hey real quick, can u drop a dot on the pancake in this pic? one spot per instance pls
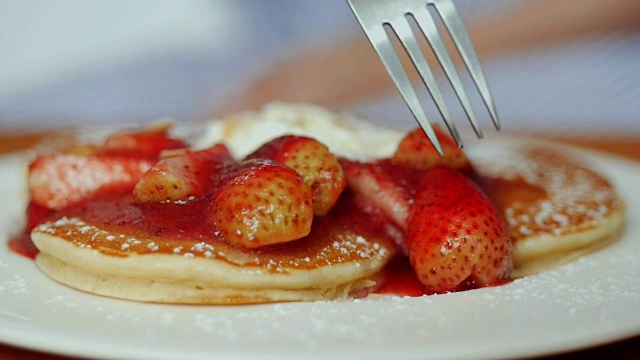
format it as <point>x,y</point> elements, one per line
<point>555,207</point>
<point>337,260</point>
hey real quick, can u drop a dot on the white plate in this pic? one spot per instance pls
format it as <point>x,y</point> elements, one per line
<point>591,301</point>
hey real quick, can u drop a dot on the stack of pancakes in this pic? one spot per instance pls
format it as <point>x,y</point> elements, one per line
<point>336,261</point>
<point>555,207</point>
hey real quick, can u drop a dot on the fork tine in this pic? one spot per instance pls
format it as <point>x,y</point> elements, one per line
<point>405,34</point>
<point>387,54</point>
<point>430,31</point>
<point>460,36</point>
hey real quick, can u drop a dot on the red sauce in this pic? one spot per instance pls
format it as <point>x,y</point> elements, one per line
<point>181,228</point>
<point>400,279</point>
<point>119,212</point>
<point>176,223</point>
<point>22,245</point>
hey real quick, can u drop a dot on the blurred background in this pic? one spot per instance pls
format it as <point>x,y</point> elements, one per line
<point>571,67</point>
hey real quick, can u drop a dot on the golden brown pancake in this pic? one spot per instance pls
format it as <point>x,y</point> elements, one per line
<point>556,207</point>
<point>336,261</point>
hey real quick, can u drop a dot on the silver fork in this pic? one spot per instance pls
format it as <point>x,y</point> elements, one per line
<point>373,15</point>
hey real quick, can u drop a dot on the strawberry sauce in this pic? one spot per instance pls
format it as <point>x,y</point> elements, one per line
<point>116,225</point>
<point>400,279</point>
<point>176,224</point>
<point>22,245</point>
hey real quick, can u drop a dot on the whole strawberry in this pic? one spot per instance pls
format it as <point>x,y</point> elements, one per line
<point>262,202</point>
<point>416,150</point>
<point>455,235</point>
<point>319,168</point>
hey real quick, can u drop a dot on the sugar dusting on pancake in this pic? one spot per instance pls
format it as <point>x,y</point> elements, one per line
<point>335,267</point>
<point>337,260</point>
<point>576,197</point>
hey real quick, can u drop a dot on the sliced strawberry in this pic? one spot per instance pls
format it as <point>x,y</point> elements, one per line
<point>262,202</point>
<point>58,180</point>
<point>145,144</point>
<point>382,221</point>
<point>386,184</point>
<point>180,177</point>
<point>313,160</point>
<point>416,150</point>
<point>455,234</point>
<point>64,178</point>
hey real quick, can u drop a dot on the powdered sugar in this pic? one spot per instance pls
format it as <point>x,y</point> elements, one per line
<point>528,302</point>
<point>575,197</point>
<point>15,284</point>
<point>347,248</point>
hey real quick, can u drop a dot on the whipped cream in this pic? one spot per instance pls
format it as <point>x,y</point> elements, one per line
<point>344,134</point>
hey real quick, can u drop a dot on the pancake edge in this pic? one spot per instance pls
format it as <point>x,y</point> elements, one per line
<point>173,278</point>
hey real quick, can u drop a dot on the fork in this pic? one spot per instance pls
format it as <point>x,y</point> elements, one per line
<point>374,15</point>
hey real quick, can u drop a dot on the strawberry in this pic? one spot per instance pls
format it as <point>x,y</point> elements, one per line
<point>261,202</point>
<point>180,177</point>
<point>58,180</point>
<point>416,150</point>
<point>319,168</point>
<point>455,235</point>
<point>144,144</point>
<point>386,184</point>
<point>64,178</point>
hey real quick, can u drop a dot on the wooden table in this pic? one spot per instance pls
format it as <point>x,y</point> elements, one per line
<point>621,145</point>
